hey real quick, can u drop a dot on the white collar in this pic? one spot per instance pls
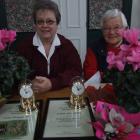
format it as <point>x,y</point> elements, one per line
<point>37,42</point>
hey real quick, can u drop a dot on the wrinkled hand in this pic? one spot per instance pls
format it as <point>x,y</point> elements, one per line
<point>41,84</point>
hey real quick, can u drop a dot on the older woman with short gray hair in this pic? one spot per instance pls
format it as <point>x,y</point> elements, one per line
<point>111,22</point>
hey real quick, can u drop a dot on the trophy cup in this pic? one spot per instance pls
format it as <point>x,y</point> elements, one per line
<point>77,97</point>
<point>27,101</point>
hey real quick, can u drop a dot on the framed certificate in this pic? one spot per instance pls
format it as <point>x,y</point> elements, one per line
<point>63,122</point>
<point>15,125</point>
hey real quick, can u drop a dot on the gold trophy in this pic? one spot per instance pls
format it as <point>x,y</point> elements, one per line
<point>77,98</point>
<point>27,101</point>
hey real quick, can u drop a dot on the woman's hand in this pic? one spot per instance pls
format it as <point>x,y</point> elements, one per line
<point>41,84</point>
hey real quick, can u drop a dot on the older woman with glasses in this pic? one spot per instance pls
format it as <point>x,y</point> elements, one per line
<point>53,58</point>
<point>95,60</point>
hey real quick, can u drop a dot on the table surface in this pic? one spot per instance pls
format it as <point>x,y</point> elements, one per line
<point>94,95</point>
<point>65,92</point>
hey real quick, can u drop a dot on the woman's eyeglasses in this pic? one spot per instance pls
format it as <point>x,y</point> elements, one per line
<point>115,29</point>
<point>42,22</point>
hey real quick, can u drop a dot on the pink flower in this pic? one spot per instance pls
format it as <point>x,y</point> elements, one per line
<point>99,130</point>
<point>129,53</point>
<point>130,35</point>
<point>135,56</point>
<point>104,114</point>
<point>6,36</point>
<point>136,67</point>
<point>115,61</point>
<point>132,136</point>
<point>2,47</point>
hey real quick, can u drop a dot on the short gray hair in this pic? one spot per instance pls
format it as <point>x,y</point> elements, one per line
<point>46,5</point>
<point>114,13</point>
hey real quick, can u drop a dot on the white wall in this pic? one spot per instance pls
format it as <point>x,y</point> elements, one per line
<point>135,16</point>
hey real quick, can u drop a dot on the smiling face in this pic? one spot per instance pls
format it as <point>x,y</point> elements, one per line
<point>110,29</point>
<point>46,25</point>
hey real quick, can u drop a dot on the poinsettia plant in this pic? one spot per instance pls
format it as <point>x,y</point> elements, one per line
<point>124,71</point>
<point>13,68</point>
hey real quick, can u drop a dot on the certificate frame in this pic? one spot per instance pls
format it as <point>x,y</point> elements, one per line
<point>36,134</point>
<point>63,137</point>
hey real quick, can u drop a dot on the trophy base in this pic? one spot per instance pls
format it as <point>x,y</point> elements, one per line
<point>28,111</point>
<point>77,102</point>
<point>27,106</point>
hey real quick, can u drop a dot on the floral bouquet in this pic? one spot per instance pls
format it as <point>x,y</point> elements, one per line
<point>113,122</point>
<point>124,71</point>
<point>13,68</point>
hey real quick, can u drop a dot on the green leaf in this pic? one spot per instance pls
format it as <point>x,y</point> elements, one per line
<point>13,68</point>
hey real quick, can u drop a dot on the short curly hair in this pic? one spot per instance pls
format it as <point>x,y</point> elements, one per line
<point>46,5</point>
<point>114,13</point>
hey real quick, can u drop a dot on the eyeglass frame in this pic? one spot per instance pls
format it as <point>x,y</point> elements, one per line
<point>47,22</point>
<point>106,30</point>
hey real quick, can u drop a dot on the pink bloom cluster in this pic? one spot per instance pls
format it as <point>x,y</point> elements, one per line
<point>129,54</point>
<point>6,37</point>
<point>112,119</point>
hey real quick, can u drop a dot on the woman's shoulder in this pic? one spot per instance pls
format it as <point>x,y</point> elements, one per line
<point>98,45</point>
<point>98,42</point>
<point>64,41</point>
<point>25,39</point>
<point>67,46</point>
<point>24,44</point>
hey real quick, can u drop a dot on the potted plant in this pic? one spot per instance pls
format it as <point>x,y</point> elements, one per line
<point>13,68</point>
<point>124,71</point>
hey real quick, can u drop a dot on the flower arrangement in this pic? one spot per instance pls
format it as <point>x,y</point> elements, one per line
<point>124,71</point>
<point>13,68</point>
<point>114,123</point>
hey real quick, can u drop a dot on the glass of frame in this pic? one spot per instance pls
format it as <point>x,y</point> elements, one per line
<point>15,125</point>
<point>63,122</point>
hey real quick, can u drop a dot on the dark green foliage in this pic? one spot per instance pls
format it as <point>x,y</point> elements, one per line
<point>13,69</point>
<point>127,87</point>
